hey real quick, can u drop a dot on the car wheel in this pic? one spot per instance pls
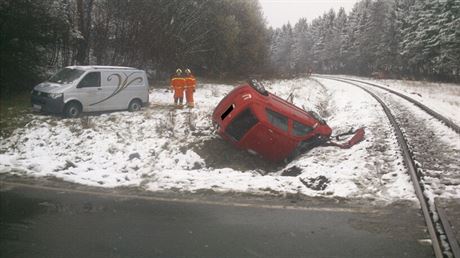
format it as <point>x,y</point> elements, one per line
<point>134,105</point>
<point>259,87</point>
<point>72,110</point>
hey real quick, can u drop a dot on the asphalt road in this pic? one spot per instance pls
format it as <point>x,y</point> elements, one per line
<point>47,222</point>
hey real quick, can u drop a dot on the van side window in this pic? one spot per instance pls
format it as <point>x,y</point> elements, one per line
<point>300,129</point>
<point>241,124</point>
<point>92,79</point>
<point>277,119</point>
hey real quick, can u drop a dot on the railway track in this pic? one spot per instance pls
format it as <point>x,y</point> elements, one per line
<point>428,110</point>
<point>443,239</point>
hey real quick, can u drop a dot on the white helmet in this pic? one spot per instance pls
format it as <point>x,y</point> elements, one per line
<point>178,71</point>
<point>187,71</point>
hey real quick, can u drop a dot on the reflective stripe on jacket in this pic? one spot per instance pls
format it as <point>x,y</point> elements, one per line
<point>190,82</point>
<point>177,82</point>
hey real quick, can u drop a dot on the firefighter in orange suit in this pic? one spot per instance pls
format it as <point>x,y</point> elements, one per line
<point>190,85</point>
<point>178,85</point>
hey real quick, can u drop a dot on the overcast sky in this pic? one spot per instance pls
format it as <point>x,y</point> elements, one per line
<point>279,12</point>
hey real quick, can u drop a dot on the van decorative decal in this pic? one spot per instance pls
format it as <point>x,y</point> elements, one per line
<point>122,84</point>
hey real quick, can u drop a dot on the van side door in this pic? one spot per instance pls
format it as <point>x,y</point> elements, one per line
<point>89,92</point>
<point>110,83</point>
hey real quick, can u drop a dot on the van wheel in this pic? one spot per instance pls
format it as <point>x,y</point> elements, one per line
<point>72,110</point>
<point>134,105</point>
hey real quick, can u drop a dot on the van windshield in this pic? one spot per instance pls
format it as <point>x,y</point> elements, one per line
<point>66,76</point>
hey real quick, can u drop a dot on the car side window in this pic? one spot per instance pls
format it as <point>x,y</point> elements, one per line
<point>92,79</point>
<point>300,129</point>
<point>278,120</point>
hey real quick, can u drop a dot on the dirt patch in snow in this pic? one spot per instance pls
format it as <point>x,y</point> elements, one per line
<point>292,171</point>
<point>218,153</point>
<point>318,183</point>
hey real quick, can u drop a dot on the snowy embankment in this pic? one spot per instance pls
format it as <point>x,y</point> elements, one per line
<point>163,148</point>
<point>443,98</point>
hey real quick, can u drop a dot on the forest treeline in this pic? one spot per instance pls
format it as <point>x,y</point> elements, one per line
<point>227,39</point>
<point>215,38</point>
<point>395,38</point>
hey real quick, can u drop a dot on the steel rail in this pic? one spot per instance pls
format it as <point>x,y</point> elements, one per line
<point>411,168</point>
<point>447,227</point>
<point>449,123</point>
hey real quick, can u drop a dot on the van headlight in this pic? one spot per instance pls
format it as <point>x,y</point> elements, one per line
<point>55,95</point>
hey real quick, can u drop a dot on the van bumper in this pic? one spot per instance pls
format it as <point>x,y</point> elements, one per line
<point>47,104</point>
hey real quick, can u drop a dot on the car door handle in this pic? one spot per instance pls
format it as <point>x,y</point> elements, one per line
<point>99,88</point>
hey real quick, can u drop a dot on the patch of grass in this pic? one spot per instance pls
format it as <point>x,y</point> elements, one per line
<point>86,122</point>
<point>112,119</point>
<point>166,127</point>
<point>14,112</point>
<point>163,128</point>
<point>271,191</point>
<point>52,122</point>
<point>323,108</point>
<point>215,92</point>
<point>191,119</point>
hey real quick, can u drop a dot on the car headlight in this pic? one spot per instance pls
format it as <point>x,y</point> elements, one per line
<point>55,95</point>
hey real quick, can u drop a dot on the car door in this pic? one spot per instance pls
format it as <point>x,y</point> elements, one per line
<point>89,92</point>
<point>281,143</point>
<point>260,141</point>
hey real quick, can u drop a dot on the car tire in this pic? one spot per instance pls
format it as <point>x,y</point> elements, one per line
<point>259,87</point>
<point>72,110</point>
<point>134,105</point>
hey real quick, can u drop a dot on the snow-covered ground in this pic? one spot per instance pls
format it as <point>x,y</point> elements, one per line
<point>443,98</point>
<point>163,148</point>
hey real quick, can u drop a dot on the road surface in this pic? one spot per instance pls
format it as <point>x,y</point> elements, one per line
<point>42,221</point>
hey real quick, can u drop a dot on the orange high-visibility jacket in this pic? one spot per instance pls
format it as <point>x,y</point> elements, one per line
<point>190,82</point>
<point>177,82</point>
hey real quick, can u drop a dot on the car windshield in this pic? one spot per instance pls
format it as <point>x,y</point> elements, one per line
<point>66,76</point>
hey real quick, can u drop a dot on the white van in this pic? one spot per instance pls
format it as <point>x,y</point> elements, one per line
<point>77,89</point>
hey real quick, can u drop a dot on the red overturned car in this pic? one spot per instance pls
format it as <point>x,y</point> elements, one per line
<point>254,119</point>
